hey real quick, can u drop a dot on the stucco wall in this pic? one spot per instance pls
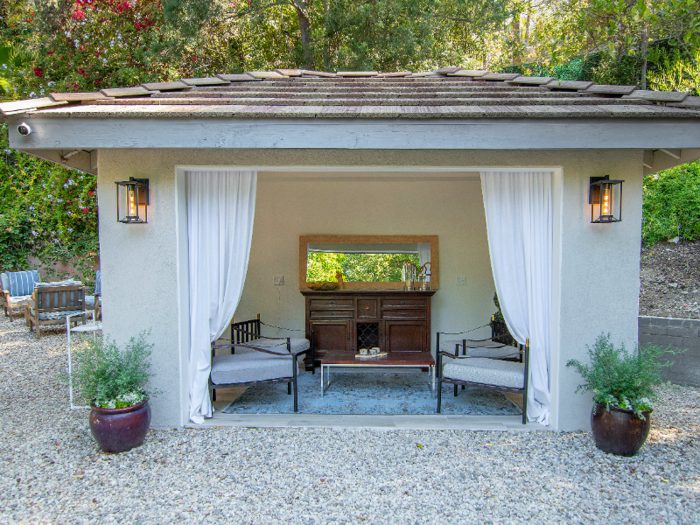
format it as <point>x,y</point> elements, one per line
<point>596,266</point>
<point>293,204</point>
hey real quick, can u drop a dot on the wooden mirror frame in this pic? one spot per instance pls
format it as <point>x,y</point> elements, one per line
<point>304,240</point>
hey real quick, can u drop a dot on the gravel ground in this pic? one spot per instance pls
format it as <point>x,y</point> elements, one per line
<point>52,472</point>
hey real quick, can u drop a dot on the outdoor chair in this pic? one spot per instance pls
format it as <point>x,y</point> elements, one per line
<point>94,301</point>
<point>485,364</point>
<point>51,303</point>
<point>256,359</point>
<point>17,288</point>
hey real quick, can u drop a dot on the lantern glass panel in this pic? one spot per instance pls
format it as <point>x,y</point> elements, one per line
<point>132,202</point>
<point>606,201</point>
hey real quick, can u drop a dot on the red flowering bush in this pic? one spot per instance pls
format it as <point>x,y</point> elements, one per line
<point>83,45</point>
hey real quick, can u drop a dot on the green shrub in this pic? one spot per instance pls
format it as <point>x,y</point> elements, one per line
<point>672,204</point>
<point>621,379</point>
<point>109,377</point>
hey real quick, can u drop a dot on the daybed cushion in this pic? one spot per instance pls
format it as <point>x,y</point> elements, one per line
<point>249,366</point>
<point>275,345</point>
<point>487,371</point>
<point>486,348</point>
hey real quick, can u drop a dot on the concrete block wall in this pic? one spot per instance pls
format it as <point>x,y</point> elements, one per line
<point>679,334</point>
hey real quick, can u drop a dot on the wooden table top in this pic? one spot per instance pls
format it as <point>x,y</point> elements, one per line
<point>339,357</point>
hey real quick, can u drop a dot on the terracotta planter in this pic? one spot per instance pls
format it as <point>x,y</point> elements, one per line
<point>618,431</point>
<point>120,429</point>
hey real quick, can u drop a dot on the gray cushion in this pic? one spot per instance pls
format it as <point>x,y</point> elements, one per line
<point>486,371</point>
<point>98,281</point>
<point>249,366</point>
<point>481,348</point>
<point>5,281</point>
<point>276,345</point>
<point>50,316</point>
<point>22,283</point>
<point>20,299</point>
<point>90,300</point>
<point>67,282</point>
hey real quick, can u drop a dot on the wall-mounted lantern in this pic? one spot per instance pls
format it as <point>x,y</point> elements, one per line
<point>132,201</point>
<point>605,198</point>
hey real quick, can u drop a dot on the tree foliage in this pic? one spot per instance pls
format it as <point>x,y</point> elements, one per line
<point>357,267</point>
<point>46,211</point>
<point>672,204</point>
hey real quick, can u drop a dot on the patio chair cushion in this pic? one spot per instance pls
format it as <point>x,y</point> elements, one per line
<point>21,283</point>
<point>21,299</point>
<point>248,367</point>
<point>487,371</point>
<point>5,281</point>
<point>67,282</point>
<point>275,345</point>
<point>98,282</point>
<point>50,316</point>
<point>90,300</point>
<point>486,348</point>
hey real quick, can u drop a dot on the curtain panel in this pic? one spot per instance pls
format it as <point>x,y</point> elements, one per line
<point>519,222</point>
<point>220,213</point>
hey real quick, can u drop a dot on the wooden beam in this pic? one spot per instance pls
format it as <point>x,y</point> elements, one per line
<point>341,133</point>
<point>663,162</point>
<point>675,153</point>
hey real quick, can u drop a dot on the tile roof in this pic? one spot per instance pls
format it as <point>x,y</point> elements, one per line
<point>450,92</point>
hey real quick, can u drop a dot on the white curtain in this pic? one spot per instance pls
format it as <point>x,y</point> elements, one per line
<point>220,211</point>
<point>518,208</point>
<point>424,254</point>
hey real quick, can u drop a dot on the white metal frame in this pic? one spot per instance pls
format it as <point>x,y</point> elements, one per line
<point>91,327</point>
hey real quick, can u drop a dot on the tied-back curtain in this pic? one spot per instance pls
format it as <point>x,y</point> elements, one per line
<point>518,207</point>
<point>220,212</point>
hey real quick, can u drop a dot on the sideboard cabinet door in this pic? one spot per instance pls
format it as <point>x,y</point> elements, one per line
<point>405,336</point>
<point>331,334</point>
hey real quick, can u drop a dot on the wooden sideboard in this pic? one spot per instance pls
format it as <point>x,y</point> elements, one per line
<point>393,320</point>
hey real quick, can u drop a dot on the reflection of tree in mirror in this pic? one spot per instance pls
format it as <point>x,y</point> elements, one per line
<point>357,267</point>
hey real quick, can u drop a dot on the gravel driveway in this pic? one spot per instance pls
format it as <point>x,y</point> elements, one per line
<point>52,472</point>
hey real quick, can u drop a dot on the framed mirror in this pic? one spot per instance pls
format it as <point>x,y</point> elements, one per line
<point>367,262</point>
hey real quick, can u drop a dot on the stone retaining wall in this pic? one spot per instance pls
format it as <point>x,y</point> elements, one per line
<point>681,334</point>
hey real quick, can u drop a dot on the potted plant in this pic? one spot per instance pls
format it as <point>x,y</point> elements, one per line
<point>499,328</point>
<point>623,393</point>
<point>114,381</point>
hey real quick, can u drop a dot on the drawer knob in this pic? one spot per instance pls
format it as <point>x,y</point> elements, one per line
<point>366,307</point>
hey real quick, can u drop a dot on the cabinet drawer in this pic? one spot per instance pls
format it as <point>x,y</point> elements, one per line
<point>403,314</point>
<point>335,304</point>
<point>332,314</point>
<point>415,302</point>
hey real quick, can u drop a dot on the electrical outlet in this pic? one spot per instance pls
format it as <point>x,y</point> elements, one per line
<point>279,280</point>
<point>461,280</point>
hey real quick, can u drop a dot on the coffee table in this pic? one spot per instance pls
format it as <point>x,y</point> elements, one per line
<point>340,359</point>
